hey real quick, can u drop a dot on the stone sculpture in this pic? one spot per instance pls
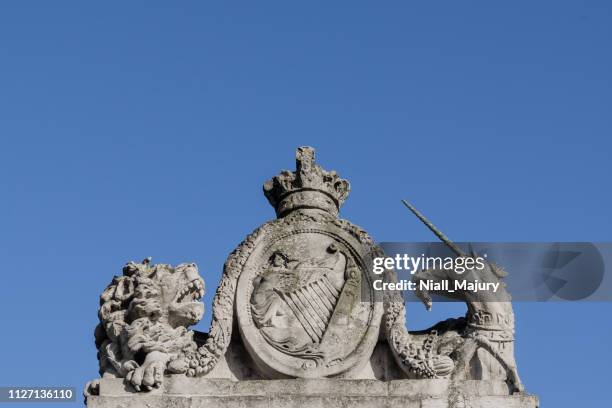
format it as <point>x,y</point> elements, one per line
<point>143,316</point>
<point>484,339</point>
<point>295,304</point>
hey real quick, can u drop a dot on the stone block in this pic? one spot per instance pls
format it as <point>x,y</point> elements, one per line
<point>182,392</point>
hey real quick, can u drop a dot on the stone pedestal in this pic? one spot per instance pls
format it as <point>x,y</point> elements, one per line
<point>182,392</point>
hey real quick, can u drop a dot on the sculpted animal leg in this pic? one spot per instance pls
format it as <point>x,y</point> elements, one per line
<point>464,356</point>
<point>423,295</point>
<point>436,275</point>
<point>509,366</point>
<point>151,372</point>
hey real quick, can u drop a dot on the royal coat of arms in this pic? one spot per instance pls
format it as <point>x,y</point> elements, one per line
<point>296,300</point>
<point>304,301</point>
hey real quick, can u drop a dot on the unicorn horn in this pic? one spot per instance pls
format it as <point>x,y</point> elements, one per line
<point>433,229</point>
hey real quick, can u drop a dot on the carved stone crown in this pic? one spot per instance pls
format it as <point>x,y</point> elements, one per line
<point>308,187</point>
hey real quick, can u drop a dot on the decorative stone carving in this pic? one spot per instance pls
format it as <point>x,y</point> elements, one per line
<point>415,354</point>
<point>482,342</point>
<point>300,294</point>
<point>144,316</point>
<point>304,302</point>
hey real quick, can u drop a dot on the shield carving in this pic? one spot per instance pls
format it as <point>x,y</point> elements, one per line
<point>305,303</point>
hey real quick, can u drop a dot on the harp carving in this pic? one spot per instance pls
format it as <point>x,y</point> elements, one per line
<point>294,301</point>
<point>313,305</point>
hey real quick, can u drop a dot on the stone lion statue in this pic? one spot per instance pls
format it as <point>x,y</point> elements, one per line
<point>144,316</point>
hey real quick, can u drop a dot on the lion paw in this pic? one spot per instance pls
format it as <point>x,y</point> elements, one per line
<point>148,376</point>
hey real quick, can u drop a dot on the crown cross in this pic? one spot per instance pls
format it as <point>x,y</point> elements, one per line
<point>310,186</point>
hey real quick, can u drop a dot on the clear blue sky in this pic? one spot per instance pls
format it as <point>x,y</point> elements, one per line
<point>146,128</point>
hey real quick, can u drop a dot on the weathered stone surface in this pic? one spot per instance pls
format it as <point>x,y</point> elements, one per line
<point>483,344</point>
<point>299,300</point>
<point>304,304</point>
<point>181,391</point>
<point>311,329</point>
<point>143,319</point>
<point>284,401</point>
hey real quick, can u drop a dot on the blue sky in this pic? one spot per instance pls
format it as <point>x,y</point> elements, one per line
<point>148,128</point>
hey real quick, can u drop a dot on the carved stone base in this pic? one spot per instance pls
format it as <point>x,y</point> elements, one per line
<point>182,392</point>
